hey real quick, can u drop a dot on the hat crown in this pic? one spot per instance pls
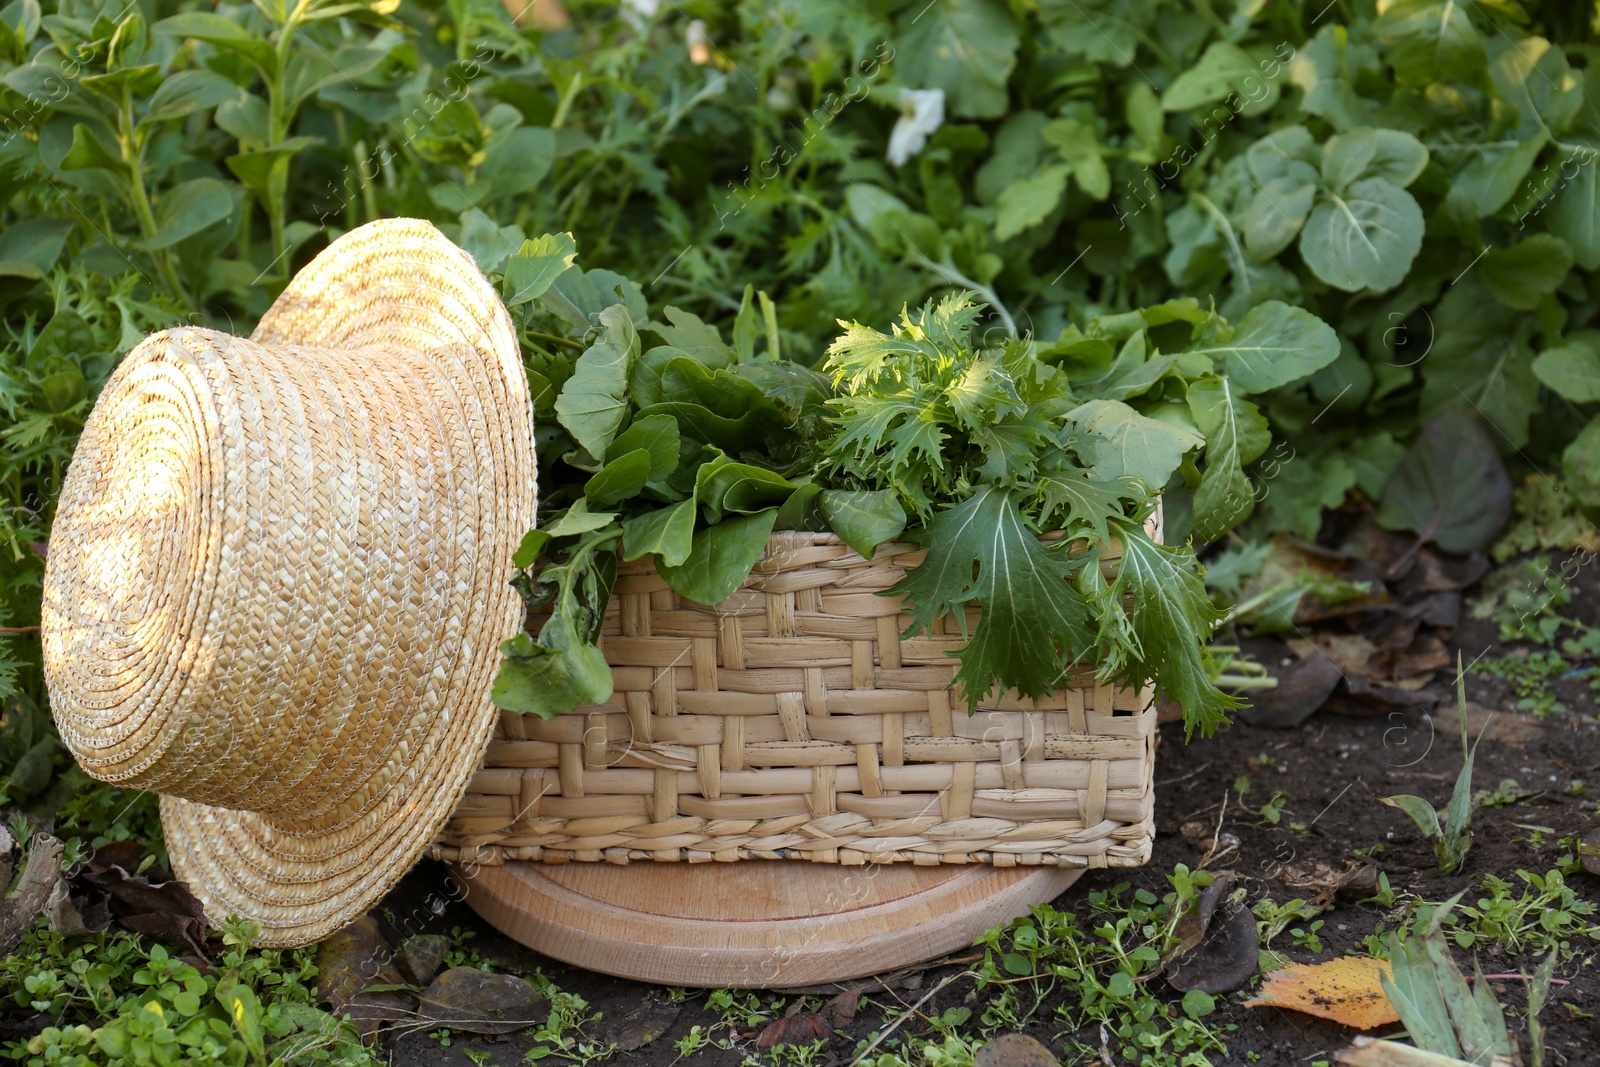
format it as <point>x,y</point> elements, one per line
<point>249,594</point>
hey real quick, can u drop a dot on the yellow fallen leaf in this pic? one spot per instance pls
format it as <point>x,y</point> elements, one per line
<point>1347,990</point>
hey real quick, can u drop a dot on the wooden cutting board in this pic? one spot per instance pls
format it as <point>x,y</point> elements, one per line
<point>754,924</point>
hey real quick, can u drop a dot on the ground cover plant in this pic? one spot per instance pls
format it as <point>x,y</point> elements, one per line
<point>1320,276</point>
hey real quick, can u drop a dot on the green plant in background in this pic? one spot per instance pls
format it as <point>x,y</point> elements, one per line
<point>1450,830</point>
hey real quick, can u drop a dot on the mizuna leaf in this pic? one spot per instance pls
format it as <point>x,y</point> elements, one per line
<point>1348,990</point>
<point>1034,623</point>
<point>1172,618</point>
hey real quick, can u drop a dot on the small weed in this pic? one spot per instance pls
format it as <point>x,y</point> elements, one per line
<point>461,954</point>
<point>1273,919</point>
<point>1453,838</point>
<point>444,1037</point>
<point>1547,914</point>
<point>478,1056</point>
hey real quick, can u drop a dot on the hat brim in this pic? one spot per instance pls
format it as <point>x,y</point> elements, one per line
<point>399,285</point>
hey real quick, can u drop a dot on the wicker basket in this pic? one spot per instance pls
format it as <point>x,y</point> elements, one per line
<point>791,721</point>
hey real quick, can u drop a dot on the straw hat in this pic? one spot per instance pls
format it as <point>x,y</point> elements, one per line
<point>277,579</point>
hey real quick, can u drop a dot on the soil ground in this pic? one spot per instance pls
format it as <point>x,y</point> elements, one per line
<point>1334,769</point>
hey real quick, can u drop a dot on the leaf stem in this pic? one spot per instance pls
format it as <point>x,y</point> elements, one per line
<point>953,276</point>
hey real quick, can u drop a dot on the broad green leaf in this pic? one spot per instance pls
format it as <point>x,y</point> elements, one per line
<point>1034,623</point>
<point>1574,210</point>
<point>1224,69</point>
<point>1580,468</point>
<point>516,160</point>
<point>966,49</point>
<point>740,488</point>
<point>667,532</point>
<point>579,296</point>
<point>528,551</point>
<point>1480,356</point>
<point>694,338</point>
<point>1421,813</point>
<point>578,519</point>
<point>1288,152</point>
<point>1522,275</point>
<point>1322,70</point>
<point>186,209</point>
<point>1275,344</point>
<point>36,242</point>
<point>593,405</point>
<point>1025,202</point>
<point>537,264</point>
<point>1277,213</point>
<point>489,244</point>
<point>223,33</point>
<point>1430,40</point>
<point>1365,238</point>
<point>189,91</point>
<point>552,677</point>
<point>1452,488</point>
<point>619,479</point>
<point>89,152</point>
<point>863,519</point>
<point>1173,619</point>
<point>659,436</point>
<point>1495,171</point>
<point>1295,492</point>
<point>1533,74</point>
<point>1121,443</point>
<point>1573,371</point>
<point>720,558</point>
<point>1368,152</point>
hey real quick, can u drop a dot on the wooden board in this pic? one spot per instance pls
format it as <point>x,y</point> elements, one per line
<point>755,924</point>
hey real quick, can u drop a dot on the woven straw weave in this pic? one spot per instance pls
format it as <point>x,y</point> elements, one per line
<point>276,585</point>
<point>790,721</point>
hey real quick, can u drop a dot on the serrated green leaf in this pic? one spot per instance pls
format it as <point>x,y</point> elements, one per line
<point>1034,624</point>
<point>1171,620</point>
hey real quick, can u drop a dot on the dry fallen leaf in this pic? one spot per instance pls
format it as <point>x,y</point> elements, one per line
<point>1347,990</point>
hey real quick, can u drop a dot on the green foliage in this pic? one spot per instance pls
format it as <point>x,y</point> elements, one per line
<point>113,1003</point>
<point>1104,966</point>
<point>1547,915</point>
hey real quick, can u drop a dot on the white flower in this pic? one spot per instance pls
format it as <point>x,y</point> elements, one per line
<point>637,12</point>
<point>921,113</point>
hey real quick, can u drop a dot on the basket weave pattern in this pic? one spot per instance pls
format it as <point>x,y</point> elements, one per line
<point>791,721</point>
